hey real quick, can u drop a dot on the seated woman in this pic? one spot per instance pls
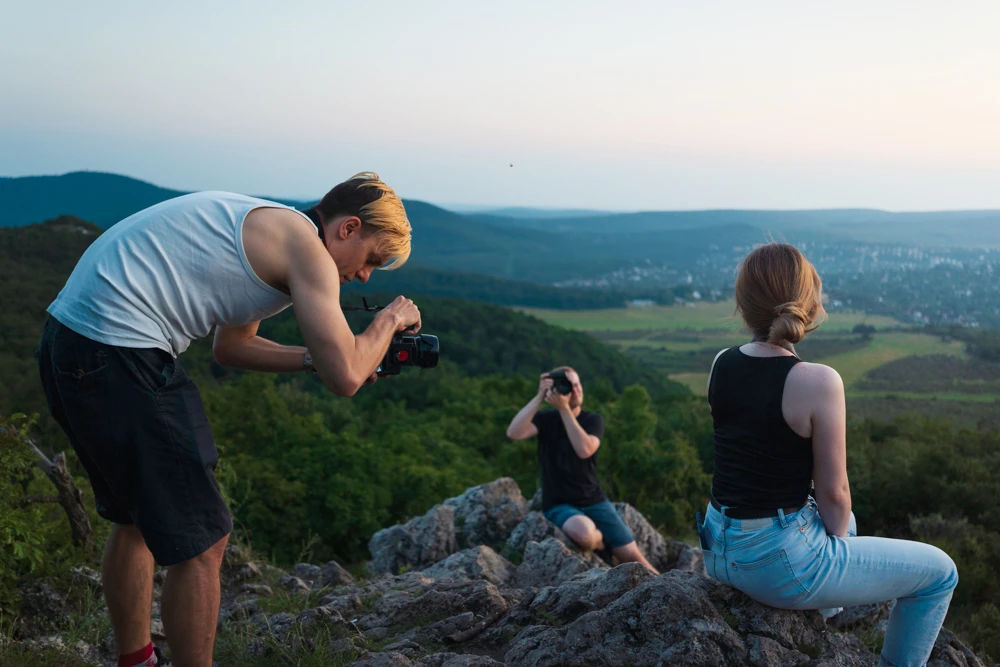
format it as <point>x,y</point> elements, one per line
<point>779,526</point>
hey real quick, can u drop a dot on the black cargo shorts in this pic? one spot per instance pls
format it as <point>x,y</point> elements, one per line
<point>138,425</point>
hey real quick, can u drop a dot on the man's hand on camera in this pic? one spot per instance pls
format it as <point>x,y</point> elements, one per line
<point>558,401</point>
<point>544,385</point>
<point>405,314</point>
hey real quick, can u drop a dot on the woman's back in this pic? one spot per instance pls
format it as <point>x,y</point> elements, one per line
<point>760,462</point>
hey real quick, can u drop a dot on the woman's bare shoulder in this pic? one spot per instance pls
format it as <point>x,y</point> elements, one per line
<point>815,378</point>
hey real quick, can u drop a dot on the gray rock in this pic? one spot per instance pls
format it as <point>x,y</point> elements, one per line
<point>650,542</point>
<point>332,574</point>
<point>687,558</point>
<point>312,621</point>
<point>766,651</point>
<point>456,660</point>
<point>479,562</point>
<point>44,609</point>
<point>861,615</point>
<point>348,604</point>
<point>549,563</point>
<point>535,504</point>
<point>949,650</point>
<point>391,659</point>
<point>587,591</point>
<point>294,585</point>
<point>307,572</point>
<point>239,610</point>
<point>156,630</point>
<point>680,618</point>
<point>534,527</point>
<point>486,514</point>
<point>261,590</point>
<point>402,610</point>
<point>418,543</point>
<point>247,572</point>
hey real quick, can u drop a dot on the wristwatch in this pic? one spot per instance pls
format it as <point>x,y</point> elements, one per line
<point>307,362</point>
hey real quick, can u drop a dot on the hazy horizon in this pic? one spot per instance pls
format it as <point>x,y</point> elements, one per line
<point>585,105</point>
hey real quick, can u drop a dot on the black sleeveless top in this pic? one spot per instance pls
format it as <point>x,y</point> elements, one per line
<point>760,462</point>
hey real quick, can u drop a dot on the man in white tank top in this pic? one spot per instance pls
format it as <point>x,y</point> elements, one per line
<point>142,291</point>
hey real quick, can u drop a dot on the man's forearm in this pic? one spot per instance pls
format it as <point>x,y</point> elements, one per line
<point>371,345</point>
<point>583,443</point>
<point>520,425</point>
<point>260,354</point>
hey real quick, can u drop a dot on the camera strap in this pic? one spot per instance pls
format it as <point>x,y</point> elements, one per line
<point>366,307</point>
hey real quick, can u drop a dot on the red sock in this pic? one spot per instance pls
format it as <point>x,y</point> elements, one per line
<point>144,657</point>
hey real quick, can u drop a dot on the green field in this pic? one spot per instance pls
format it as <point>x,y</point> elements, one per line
<point>696,316</point>
<point>682,340</point>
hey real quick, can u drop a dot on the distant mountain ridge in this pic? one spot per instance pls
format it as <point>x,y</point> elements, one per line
<point>100,197</point>
<point>553,249</point>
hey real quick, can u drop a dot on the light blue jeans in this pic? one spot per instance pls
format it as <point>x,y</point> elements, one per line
<point>790,562</point>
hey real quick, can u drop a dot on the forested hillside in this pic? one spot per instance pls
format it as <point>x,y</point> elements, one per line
<point>311,474</point>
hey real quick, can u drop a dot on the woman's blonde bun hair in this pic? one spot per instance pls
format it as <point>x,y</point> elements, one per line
<point>779,294</point>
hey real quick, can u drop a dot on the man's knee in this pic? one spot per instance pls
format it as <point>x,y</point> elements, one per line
<point>583,531</point>
<point>210,557</point>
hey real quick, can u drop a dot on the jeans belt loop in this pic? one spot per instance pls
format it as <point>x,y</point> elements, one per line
<point>781,518</point>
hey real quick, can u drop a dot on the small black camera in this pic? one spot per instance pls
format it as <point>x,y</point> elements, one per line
<point>409,350</point>
<point>560,382</point>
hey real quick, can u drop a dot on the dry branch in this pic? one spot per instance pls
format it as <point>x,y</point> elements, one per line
<point>69,495</point>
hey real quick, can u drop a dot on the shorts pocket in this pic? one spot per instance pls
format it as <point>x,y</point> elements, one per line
<point>769,579</point>
<point>82,372</point>
<point>153,368</point>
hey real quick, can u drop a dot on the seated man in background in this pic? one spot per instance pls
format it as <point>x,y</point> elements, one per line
<point>568,439</point>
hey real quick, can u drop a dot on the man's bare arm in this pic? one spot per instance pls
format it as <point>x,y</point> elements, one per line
<point>584,444</point>
<point>521,426</point>
<point>287,255</point>
<point>241,347</point>
<point>344,361</point>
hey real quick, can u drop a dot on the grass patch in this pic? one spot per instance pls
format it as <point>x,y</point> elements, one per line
<point>886,347</point>
<point>89,622</point>
<point>293,603</point>
<point>240,645</point>
<point>683,340</point>
<point>696,316</point>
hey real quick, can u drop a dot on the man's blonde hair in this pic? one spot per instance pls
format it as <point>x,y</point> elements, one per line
<point>366,196</point>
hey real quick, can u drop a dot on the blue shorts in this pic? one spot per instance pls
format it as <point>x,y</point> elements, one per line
<point>616,533</point>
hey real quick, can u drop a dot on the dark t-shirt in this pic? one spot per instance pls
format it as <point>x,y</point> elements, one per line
<point>566,478</point>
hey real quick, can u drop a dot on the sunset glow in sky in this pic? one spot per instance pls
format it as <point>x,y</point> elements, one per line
<point>645,105</point>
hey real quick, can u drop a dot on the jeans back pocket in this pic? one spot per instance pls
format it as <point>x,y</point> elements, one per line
<point>769,579</point>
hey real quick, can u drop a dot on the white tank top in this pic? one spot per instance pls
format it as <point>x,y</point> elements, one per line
<point>169,274</point>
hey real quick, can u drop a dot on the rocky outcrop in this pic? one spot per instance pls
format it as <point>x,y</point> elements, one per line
<point>486,514</point>
<point>417,543</point>
<point>481,580</point>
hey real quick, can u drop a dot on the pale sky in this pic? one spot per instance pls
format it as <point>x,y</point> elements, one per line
<point>615,105</point>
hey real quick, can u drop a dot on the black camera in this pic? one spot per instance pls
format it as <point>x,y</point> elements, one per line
<point>560,382</point>
<point>409,350</point>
